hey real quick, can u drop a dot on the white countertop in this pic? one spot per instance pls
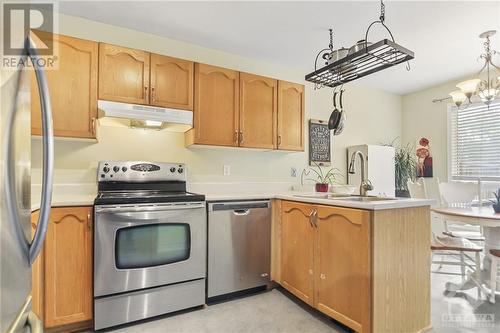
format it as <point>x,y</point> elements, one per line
<point>66,195</point>
<point>84,195</point>
<point>318,198</point>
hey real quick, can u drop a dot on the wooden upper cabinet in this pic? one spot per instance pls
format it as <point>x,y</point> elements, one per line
<point>290,116</point>
<point>342,266</point>
<point>68,267</point>
<point>171,82</point>
<point>123,74</point>
<point>297,240</point>
<point>258,111</point>
<point>73,89</point>
<point>216,106</point>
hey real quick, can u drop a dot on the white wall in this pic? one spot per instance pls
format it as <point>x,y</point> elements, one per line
<point>373,116</point>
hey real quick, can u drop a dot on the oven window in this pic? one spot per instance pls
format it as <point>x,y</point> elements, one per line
<point>152,245</point>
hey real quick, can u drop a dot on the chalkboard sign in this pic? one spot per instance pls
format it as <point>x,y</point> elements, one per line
<point>319,142</point>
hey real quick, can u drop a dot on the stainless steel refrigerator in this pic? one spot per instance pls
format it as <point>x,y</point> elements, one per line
<point>18,249</point>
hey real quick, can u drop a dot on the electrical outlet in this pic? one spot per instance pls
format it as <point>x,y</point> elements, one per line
<point>293,172</point>
<point>227,170</point>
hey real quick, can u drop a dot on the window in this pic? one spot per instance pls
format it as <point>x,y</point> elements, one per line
<point>474,142</point>
<point>152,245</point>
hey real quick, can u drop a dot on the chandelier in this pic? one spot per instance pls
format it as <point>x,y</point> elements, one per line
<point>485,89</point>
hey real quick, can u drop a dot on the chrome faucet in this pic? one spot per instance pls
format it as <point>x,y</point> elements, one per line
<point>366,184</point>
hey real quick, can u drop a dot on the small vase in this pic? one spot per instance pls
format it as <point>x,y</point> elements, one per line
<point>321,187</point>
<point>496,208</point>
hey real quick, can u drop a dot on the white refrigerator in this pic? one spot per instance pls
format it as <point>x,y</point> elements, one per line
<point>379,169</point>
<point>18,249</point>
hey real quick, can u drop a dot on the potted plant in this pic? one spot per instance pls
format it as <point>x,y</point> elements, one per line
<point>496,202</point>
<point>321,178</point>
<point>405,167</point>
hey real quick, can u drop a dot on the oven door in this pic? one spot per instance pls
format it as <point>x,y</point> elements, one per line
<point>145,246</point>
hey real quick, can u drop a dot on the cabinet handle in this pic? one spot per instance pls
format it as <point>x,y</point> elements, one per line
<point>315,218</point>
<point>89,227</point>
<point>241,137</point>
<point>153,94</point>
<point>311,217</point>
<point>93,126</point>
<point>236,137</point>
<point>279,140</point>
<point>146,90</point>
<point>322,276</point>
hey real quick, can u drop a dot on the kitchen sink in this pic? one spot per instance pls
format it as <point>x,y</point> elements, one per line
<point>364,199</point>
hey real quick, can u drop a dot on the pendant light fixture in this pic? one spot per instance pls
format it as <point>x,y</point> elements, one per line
<point>486,86</point>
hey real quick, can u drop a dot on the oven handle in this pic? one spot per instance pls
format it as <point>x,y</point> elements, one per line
<point>141,209</point>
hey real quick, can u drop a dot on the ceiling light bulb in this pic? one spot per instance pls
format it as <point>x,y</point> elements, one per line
<point>487,95</point>
<point>469,87</point>
<point>458,97</point>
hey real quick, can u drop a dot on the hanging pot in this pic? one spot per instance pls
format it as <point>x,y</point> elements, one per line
<point>360,45</point>
<point>337,55</point>
<point>335,115</point>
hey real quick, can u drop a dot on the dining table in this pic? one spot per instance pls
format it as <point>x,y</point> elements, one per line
<point>485,217</point>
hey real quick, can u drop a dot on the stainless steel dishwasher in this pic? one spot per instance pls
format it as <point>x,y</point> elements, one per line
<point>239,246</point>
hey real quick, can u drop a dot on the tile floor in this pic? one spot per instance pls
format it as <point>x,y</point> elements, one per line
<point>278,312</point>
<point>272,311</point>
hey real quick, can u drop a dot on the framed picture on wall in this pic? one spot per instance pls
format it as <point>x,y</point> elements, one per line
<point>319,142</point>
<point>424,158</point>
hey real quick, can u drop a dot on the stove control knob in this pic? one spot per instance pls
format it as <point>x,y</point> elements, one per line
<point>105,169</point>
<point>172,169</point>
<point>116,168</point>
<point>124,169</point>
<point>180,170</point>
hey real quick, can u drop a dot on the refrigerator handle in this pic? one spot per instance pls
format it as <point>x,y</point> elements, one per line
<point>48,154</point>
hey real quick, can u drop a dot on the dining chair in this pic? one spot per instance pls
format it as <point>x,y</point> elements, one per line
<point>495,273</point>
<point>460,194</point>
<point>467,252</point>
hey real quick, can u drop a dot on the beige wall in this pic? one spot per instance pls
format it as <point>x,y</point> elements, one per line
<point>423,118</point>
<point>373,116</point>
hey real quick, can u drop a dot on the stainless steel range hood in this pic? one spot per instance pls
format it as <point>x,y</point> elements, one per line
<point>143,116</point>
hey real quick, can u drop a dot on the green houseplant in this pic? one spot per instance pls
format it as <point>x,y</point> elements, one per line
<point>322,178</point>
<point>496,202</point>
<point>405,166</point>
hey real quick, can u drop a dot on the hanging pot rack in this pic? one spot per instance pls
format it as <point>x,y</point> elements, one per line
<point>370,59</point>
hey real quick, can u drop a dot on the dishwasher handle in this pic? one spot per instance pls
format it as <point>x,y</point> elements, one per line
<point>241,212</point>
<point>238,208</point>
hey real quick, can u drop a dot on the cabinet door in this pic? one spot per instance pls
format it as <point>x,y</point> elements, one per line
<point>36,275</point>
<point>216,106</point>
<point>258,111</point>
<point>342,266</point>
<point>123,74</point>
<point>68,267</point>
<point>297,240</point>
<point>171,82</point>
<point>290,116</point>
<point>73,89</point>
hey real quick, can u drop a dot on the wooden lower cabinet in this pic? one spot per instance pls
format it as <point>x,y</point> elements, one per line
<point>65,276</point>
<point>369,270</point>
<point>297,250</point>
<point>36,275</point>
<point>342,265</point>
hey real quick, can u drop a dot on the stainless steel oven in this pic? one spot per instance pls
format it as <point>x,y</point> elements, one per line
<point>150,242</point>
<point>146,245</point>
